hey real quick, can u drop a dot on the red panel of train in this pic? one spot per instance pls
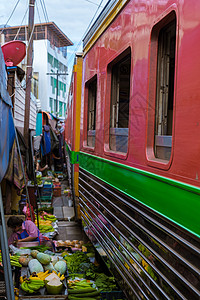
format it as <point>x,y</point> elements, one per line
<point>139,148</point>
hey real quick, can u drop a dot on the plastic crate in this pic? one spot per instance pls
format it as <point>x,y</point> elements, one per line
<point>46,198</point>
<point>47,190</point>
<point>112,295</point>
<point>47,186</point>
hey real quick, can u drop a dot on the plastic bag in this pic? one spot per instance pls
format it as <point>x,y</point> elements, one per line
<point>15,250</point>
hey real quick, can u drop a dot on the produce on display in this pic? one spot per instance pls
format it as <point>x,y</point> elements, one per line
<point>61,267</point>
<point>46,228</point>
<point>82,289</point>
<point>54,286</point>
<point>43,258</point>
<point>74,261</point>
<point>40,275</point>
<point>35,266</point>
<point>32,285</point>
<point>49,267</point>
<point>105,283</point>
<point>24,260</point>
<point>34,253</point>
<point>49,217</point>
<point>51,276</point>
<point>38,179</point>
<point>14,260</point>
<point>39,248</point>
<point>43,222</point>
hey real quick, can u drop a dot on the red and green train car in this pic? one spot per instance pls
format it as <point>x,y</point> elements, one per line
<point>136,145</point>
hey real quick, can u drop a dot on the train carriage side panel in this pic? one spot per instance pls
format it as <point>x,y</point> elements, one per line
<point>140,200</point>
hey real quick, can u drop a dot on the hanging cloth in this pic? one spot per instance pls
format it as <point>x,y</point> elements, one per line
<point>46,141</point>
<point>14,172</point>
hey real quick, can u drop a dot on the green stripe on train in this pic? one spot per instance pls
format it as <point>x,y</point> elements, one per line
<point>177,201</point>
<point>74,156</point>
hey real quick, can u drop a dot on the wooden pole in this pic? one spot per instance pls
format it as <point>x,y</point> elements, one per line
<point>29,70</point>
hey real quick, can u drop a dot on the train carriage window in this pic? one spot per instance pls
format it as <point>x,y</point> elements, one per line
<point>165,91</point>
<point>119,109</point>
<point>91,120</point>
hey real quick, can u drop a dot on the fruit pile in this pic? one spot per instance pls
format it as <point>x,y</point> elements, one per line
<point>82,289</point>
<point>31,285</point>
<point>45,272</point>
<point>45,222</point>
<point>14,260</point>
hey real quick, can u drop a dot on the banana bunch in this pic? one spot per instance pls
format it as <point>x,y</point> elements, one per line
<point>32,285</point>
<point>16,292</point>
<point>49,217</point>
<point>40,275</point>
<point>43,222</point>
<point>14,260</point>
<point>34,276</point>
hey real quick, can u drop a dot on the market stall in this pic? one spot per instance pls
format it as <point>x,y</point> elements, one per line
<point>71,272</point>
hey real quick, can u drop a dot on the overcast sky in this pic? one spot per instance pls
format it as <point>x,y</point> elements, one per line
<point>71,16</point>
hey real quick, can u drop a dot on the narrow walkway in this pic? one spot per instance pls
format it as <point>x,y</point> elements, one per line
<point>62,210</point>
<point>67,227</point>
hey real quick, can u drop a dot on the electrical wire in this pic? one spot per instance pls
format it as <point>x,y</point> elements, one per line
<point>42,3</point>
<point>79,43</point>
<point>93,2</point>
<point>45,9</point>
<point>40,19</point>
<point>11,15</point>
<point>21,24</point>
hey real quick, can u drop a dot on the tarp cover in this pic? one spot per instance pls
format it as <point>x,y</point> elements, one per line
<point>7,132</point>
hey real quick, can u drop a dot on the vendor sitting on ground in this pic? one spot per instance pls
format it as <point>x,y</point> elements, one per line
<point>26,231</point>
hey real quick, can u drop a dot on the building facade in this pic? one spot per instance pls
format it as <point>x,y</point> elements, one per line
<point>49,64</point>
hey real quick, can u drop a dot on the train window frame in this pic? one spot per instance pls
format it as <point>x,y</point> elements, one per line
<point>87,102</point>
<point>164,21</point>
<point>117,60</point>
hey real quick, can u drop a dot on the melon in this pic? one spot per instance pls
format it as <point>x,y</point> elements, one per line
<point>54,286</point>
<point>43,258</point>
<point>24,260</point>
<point>49,267</point>
<point>35,266</point>
<point>34,253</point>
<point>61,266</point>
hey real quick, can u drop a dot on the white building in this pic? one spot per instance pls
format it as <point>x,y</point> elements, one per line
<point>49,62</point>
